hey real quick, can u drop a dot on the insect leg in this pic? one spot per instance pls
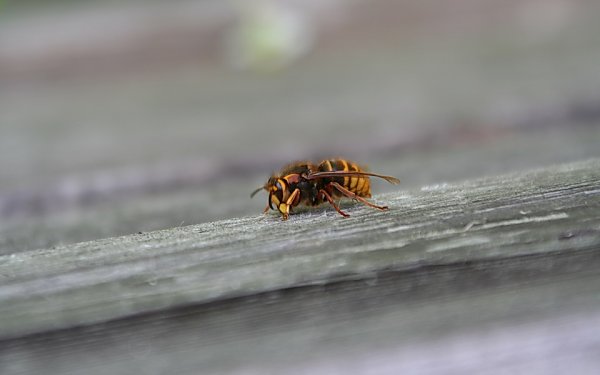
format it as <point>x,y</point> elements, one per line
<point>352,195</point>
<point>266,209</point>
<point>292,198</point>
<point>330,200</point>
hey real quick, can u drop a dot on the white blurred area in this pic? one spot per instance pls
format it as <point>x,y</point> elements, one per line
<point>244,34</point>
<point>269,34</point>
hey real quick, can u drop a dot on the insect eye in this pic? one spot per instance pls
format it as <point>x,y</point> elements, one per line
<point>278,186</point>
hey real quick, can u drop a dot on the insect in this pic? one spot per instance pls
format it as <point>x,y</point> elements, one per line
<point>311,185</point>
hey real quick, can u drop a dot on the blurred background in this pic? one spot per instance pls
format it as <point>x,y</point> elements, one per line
<point>134,115</point>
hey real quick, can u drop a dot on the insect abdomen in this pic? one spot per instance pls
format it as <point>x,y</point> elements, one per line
<point>359,185</point>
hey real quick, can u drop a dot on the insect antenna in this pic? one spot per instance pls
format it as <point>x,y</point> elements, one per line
<point>256,191</point>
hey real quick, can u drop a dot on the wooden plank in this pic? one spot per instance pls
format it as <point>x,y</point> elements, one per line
<point>447,261</point>
<point>161,203</point>
<point>501,217</point>
<point>492,316</point>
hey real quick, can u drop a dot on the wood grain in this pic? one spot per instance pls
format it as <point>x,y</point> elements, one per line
<point>464,263</point>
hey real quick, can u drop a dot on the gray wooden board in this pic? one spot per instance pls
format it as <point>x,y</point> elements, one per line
<point>116,213</point>
<point>495,316</point>
<point>464,266</point>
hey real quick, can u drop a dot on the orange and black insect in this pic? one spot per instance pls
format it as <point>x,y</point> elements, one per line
<point>311,185</point>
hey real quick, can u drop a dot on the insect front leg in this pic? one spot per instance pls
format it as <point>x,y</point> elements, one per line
<point>285,208</point>
<point>292,199</point>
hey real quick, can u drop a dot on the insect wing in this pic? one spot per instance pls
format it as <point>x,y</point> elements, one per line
<point>317,175</point>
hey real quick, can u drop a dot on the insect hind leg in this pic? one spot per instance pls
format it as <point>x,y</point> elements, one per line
<point>352,195</point>
<point>330,200</point>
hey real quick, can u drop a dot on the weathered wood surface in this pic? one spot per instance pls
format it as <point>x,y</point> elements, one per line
<point>495,274</point>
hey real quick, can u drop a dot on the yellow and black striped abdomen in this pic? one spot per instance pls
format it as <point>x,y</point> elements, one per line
<point>361,186</point>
